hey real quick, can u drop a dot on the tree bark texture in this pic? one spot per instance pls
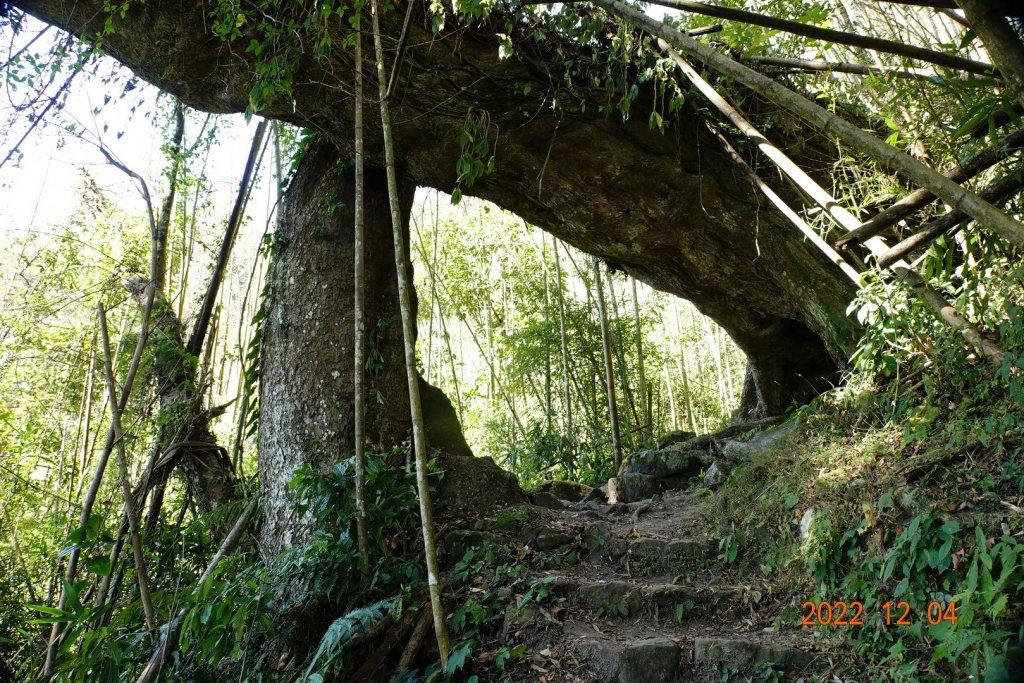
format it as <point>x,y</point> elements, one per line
<point>306,387</point>
<point>670,209</point>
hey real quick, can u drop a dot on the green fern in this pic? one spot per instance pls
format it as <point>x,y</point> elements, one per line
<point>343,631</point>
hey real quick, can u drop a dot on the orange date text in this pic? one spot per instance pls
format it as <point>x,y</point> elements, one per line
<point>843,613</point>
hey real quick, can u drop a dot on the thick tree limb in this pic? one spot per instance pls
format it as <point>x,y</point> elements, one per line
<point>199,330</point>
<point>692,249</point>
<point>1002,42</point>
<point>162,225</point>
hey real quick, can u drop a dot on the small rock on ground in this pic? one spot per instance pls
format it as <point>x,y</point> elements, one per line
<point>630,487</point>
<point>547,500</point>
<point>566,490</point>
<point>664,463</point>
<point>549,539</point>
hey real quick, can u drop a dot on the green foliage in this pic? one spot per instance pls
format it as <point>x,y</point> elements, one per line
<point>477,158</point>
<point>341,632</point>
<point>490,332</point>
<point>886,474</point>
<point>550,455</point>
<point>730,546</point>
<point>279,33</point>
<point>322,567</point>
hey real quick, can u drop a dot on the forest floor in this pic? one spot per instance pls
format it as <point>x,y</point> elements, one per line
<point>673,574</point>
<point>653,601</point>
<point>637,592</point>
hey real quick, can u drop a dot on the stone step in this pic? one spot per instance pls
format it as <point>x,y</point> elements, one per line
<point>657,659</point>
<point>651,660</point>
<point>625,599</point>
<point>712,655</point>
<point>645,556</point>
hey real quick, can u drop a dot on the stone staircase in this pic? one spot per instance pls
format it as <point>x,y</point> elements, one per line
<point>649,600</point>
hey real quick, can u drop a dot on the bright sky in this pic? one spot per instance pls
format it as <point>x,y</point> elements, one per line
<point>41,189</point>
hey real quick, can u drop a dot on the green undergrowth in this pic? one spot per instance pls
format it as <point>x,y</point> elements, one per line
<point>896,492</point>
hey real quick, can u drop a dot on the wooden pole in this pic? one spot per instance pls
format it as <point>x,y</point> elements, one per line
<point>609,372</point>
<point>419,434</point>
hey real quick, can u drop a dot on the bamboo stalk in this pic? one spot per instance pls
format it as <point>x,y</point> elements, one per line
<point>609,372</point>
<point>829,35</point>
<point>921,198</point>
<point>409,336</point>
<point>839,214</point>
<point>954,194</point>
<point>97,479</point>
<point>843,67</point>
<point>359,312</point>
<point>807,231</point>
<point>947,223</point>
<point>198,336</point>
<point>645,402</point>
<point>129,499</point>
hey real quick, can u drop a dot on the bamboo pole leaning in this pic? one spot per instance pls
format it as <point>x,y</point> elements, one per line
<point>826,34</point>
<point>202,324</point>
<point>807,231</point>
<point>129,499</point>
<point>921,198</point>
<point>836,211</point>
<point>947,223</point>
<point>917,172</point>
<point>97,479</point>
<point>419,435</point>
<point>842,67</point>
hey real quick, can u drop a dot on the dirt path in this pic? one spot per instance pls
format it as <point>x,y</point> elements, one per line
<point>648,600</point>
